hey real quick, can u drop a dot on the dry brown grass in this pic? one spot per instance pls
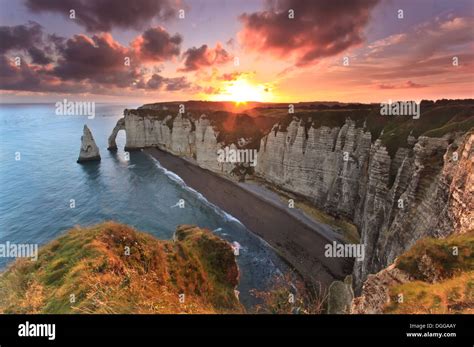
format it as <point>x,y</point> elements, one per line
<point>91,264</point>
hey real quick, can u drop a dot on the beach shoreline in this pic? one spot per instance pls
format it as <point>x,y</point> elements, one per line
<point>298,240</point>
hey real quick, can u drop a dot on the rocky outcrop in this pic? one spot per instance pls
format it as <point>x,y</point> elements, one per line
<point>433,276</point>
<point>432,195</point>
<point>375,293</point>
<point>89,150</point>
<point>343,173</point>
<point>458,174</point>
<point>340,296</point>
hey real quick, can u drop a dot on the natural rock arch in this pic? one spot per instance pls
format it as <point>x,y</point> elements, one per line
<point>119,126</point>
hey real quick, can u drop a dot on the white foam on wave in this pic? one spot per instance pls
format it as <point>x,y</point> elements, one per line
<point>227,217</point>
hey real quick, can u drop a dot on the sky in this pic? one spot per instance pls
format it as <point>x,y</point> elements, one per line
<point>145,51</point>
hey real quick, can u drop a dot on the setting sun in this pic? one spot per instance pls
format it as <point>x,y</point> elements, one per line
<point>241,91</point>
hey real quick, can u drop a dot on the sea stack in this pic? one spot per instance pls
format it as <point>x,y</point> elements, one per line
<point>89,150</point>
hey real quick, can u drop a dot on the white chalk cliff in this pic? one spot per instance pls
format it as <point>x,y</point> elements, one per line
<point>430,193</point>
<point>393,200</point>
<point>89,150</point>
<point>179,135</point>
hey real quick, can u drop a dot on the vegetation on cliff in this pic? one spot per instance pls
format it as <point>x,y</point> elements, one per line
<point>256,120</point>
<point>442,273</point>
<point>113,268</point>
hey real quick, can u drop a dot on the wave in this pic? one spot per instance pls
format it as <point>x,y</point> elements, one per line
<point>174,177</point>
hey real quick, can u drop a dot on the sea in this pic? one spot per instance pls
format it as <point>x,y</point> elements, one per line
<point>44,192</point>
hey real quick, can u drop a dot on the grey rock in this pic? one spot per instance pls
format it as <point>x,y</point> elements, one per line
<point>89,150</point>
<point>340,296</point>
<point>375,294</point>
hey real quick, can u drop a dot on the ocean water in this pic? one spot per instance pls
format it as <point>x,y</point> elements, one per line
<point>36,190</point>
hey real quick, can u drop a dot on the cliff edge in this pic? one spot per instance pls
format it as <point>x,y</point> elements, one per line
<point>113,268</point>
<point>434,276</point>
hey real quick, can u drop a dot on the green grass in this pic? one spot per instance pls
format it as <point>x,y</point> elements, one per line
<point>444,260</point>
<point>91,264</point>
<point>443,285</point>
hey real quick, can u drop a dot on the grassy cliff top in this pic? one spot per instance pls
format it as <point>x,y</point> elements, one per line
<point>442,272</point>
<point>113,268</point>
<point>436,120</point>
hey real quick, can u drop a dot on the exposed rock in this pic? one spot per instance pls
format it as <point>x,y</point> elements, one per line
<point>428,278</point>
<point>344,174</point>
<point>458,172</point>
<point>119,126</point>
<point>89,150</point>
<point>178,135</point>
<point>325,168</point>
<point>375,292</point>
<point>340,296</point>
<point>426,267</point>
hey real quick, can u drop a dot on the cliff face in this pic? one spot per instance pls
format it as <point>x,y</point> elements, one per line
<point>421,191</point>
<point>179,135</point>
<point>112,268</point>
<point>394,197</point>
<point>325,165</point>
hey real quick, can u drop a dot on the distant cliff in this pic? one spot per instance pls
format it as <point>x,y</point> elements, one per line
<point>398,179</point>
<point>180,135</point>
<point>112,268</point>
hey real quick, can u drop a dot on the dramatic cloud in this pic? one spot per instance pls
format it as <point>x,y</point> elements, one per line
<point>320,28</point>
<point>14,77</point>
<point>35,79</point>
<point>26,39</point>
<point>20,37</point>
<point>155,82</point>
<point>407,84</point>
<point>97,64</point>
<point>177,83</point>
<point>103,15</point>
<point>202,57</point>
<point>38,56</point>
<point>158,82</point>
<point>156,44</point>
<point>424,51</point>
<point>99,59</point>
